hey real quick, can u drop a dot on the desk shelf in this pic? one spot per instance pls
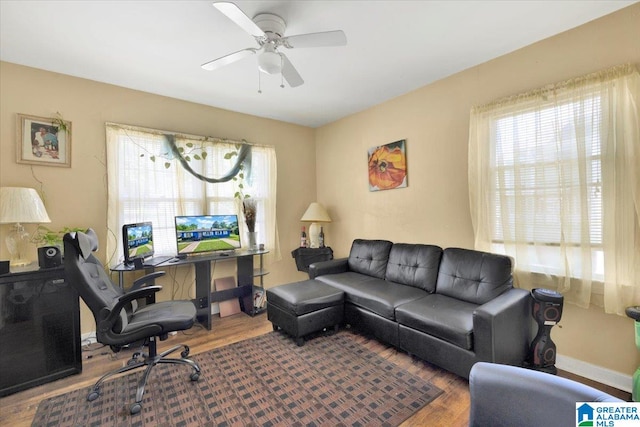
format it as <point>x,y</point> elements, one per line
<point>204,296</point>
<point>258,272</point>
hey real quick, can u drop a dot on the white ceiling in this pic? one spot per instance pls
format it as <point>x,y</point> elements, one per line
<point>393,47</point>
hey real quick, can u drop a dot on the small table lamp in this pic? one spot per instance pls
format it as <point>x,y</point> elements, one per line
<point>20,205</point>
<point>315,213</point>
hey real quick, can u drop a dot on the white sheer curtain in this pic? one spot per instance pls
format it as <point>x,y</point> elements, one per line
<point>554,182</point>
<point>147,183</point>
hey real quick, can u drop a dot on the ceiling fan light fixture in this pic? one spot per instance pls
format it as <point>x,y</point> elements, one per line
<point>270,63</point>
<point>268,31</point>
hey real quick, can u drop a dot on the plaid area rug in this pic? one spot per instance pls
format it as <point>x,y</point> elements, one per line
<point>333,380</point>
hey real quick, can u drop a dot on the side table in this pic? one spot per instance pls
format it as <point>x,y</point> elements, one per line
<point>306,256</point>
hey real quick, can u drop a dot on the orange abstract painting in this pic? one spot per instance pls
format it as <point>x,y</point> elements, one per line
<point>388,166</point>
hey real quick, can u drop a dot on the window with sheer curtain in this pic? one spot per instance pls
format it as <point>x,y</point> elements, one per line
<point>148,182</point>
<point>554,179</point>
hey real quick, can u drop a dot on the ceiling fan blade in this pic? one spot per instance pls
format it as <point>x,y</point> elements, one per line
<point>328,38</point>
<point>228,59</point>
<point>234,13</point>
<point>289,72</point>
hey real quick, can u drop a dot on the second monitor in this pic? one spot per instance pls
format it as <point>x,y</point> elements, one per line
<point>206,233</point>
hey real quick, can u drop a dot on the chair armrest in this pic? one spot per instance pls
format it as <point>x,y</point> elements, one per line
<point>144,281</point>
<point>105,324</point>
<point>137,284</point>
<point>504,395</point>
<point>502,328</point>
<point>333,266</point>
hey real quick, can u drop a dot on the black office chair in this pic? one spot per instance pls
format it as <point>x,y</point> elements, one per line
<point>120,320</point>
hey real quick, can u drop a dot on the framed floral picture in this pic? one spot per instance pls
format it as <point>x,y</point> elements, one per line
<point>388,166</point>
<point>43,141</point>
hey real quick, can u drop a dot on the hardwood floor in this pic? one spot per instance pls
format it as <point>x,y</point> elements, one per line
<point>450,409</point>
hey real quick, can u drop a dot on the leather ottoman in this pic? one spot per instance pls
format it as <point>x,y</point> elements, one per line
<point>301,308</point>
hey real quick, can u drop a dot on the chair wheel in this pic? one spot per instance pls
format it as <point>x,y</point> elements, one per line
<point>134,358</point>
<point>195,376</point>
<point>135,408</point>
<point>185,352</point>
<point>275,327</point>
<point>93,395</point>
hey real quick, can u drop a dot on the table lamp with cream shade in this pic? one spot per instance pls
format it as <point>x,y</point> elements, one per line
<point>314,214</point>
<point>19,205</point>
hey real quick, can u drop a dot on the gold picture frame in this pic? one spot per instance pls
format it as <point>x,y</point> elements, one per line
<point>43,141</point>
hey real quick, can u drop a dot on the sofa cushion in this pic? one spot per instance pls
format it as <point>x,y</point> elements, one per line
<point>369,257</point>
<point>414,265</point>
<point>377,295</point>
<point>473,276</point>
<point>440,316</point>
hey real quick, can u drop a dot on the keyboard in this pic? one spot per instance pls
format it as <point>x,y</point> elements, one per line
<point>152,262</point>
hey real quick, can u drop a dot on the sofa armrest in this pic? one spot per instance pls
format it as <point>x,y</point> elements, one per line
<point>333,266</point>
<point>502,328</point>
<point>509,396</point>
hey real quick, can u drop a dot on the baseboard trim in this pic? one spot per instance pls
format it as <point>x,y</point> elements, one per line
<point>596,373</point>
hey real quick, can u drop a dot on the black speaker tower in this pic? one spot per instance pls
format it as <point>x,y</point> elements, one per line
<point>547,311</point>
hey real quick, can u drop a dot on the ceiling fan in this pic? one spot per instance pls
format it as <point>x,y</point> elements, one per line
<point>268,30</point>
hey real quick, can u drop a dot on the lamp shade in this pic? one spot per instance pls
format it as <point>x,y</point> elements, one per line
<point>316,213</point>
<point>270,62</point>
<point>21,205</point>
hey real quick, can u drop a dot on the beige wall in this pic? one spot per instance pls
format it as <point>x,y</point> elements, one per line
<point>77,196</point>
<point>435,207</point>
<point>433,120</point>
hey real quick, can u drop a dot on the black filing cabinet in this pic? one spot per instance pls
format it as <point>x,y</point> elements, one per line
<point>39,329</point>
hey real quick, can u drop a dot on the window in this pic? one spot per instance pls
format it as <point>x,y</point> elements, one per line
<point>148,183</point>
<point>546,168</point>
<point>554,182</point>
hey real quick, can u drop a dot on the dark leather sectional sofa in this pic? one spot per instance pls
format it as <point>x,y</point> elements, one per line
<point>451,307</point>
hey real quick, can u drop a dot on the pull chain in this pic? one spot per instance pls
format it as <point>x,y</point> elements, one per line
<point>259,82</point>
<point>281,68</point>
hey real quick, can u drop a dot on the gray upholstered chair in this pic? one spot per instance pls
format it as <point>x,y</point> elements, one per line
<point>120,320</point>
<point>503,395</point>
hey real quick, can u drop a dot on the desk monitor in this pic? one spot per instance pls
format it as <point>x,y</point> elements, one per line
<point>137,240</point>
<point>206,233</point>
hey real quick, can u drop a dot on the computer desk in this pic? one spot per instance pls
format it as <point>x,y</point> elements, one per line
<point>204,295</point>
